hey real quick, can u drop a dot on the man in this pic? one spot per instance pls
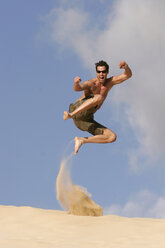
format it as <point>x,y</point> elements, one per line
<point>95,92</point>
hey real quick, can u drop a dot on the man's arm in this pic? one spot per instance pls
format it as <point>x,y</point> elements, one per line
<point>79,87</point>
<point>124,76</point>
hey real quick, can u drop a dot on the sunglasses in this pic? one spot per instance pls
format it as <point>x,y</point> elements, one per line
<point>102,71</point>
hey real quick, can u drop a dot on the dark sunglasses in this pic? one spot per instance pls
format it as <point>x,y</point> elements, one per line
<point>101,71</point>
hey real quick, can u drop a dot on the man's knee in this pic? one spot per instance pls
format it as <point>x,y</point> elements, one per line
<point>110,135</point>
<point>98,99</point>
<point>114,137</point>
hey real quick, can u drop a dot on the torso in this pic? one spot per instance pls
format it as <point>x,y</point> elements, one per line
<point>98,88</point>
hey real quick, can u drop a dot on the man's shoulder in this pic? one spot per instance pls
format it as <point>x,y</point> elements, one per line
<point>109,81</point>
<point>93,80</point>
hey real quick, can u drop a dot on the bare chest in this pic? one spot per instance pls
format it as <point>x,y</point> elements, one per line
<point>98,88</point>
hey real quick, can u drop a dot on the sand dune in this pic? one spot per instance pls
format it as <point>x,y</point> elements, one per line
<point>26,227</point>
<point>82,226</point>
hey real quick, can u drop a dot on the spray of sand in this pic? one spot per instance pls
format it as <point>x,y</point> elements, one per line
<point>73,198</point>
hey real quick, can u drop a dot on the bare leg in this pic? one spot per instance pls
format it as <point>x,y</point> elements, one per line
<point>107,137</point>
<point>89,103</point>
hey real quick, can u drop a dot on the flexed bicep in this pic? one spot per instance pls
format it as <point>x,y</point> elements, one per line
<point>124,76</point>
<point>80,87</point>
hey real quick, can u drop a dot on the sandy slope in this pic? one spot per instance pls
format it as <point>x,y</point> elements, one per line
<point>36,228</point>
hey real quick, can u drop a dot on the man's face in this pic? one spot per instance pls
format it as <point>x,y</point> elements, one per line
<point>101,74</point>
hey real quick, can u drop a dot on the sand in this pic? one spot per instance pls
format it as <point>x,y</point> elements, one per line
<point>74,198</point>
<point>82,225</point>
<point>26,227</point>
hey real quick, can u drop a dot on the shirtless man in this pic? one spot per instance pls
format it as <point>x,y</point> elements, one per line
<point>95,92</point>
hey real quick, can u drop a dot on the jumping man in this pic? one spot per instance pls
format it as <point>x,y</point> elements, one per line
<point>95,92</point>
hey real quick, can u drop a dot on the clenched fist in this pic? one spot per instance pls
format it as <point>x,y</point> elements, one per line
<point>77,80</point>
<point>123,65</point>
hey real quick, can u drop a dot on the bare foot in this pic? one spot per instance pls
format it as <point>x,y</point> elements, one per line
<point>66,115</point>
<point>78,144</point>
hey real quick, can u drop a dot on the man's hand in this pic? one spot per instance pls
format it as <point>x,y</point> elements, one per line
<point>77,86</point>
<point>123,65</point>
<point>77,80</point>
<point>80,87</point>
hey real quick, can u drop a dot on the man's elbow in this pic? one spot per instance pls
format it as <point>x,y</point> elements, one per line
<point>74,88</point>
<point>77,88</point>
<point>129,75</point>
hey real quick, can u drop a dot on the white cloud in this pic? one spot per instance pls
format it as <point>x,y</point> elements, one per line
<point>69,28</point>
<point>134,31</point>
<point>144,204</point>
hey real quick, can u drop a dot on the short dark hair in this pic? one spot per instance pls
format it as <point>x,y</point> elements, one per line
<point>102,63</point>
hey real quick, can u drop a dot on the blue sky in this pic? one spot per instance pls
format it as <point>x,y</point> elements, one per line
<point>44,45</point>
